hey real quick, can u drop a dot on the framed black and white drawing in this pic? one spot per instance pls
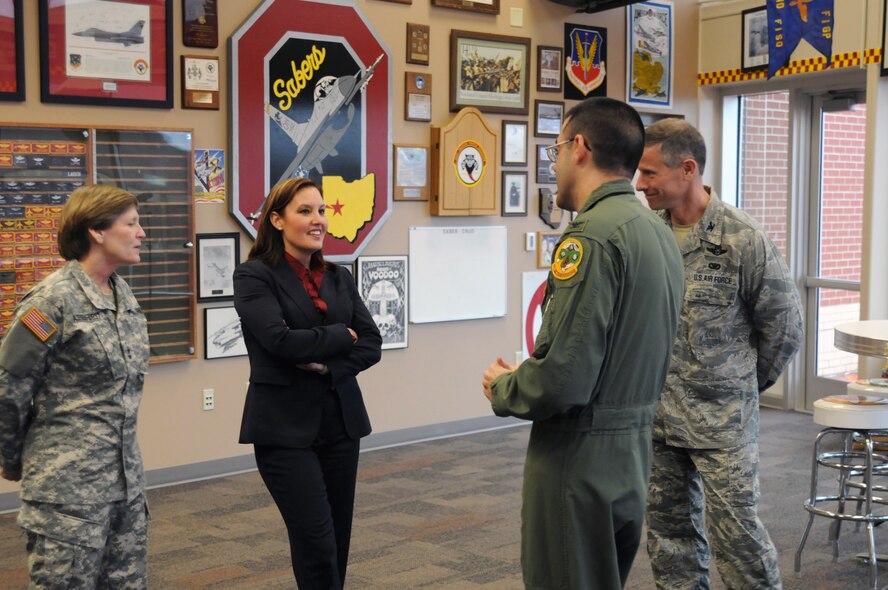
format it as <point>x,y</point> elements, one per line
<point>223,336</point>
<point>514,143</point>
<point>514,194</point>
<point>382,283</point>
<point>217,255</point>
<point>754,29</point>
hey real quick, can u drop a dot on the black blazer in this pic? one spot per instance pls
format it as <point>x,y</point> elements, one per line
<point>282,328</point>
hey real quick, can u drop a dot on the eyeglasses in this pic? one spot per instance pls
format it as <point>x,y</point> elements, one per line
<point>552,150</point>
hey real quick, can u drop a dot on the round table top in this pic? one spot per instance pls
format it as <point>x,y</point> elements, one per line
<point>866,337</point>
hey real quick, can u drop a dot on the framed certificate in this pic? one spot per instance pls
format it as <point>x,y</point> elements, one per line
<point>200,82</point>
<point>417,96</point>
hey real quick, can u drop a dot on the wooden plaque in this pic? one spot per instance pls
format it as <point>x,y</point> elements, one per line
<point>464,155</point>
<point>200,82</point>
<point>417,96</point>
<point>417,44</point>
<point>200,23</point>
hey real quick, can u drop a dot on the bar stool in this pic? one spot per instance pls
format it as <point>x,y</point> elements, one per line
<point>857,416</point>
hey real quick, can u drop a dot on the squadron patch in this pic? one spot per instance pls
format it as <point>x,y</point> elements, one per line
<point>566,261</point>
<point>37,323</point>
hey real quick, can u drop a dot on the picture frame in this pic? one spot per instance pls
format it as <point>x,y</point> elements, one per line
<point>417,96</point>
<point>546,241</point>
<point>547,117</point>
<point>200,23</point>
<point>754,33</point>
<point>223,333</point>
<point>469,53</point>
<point>550,68</point>
<point>545,172</point>
<point>383,286</point>
<point>550,212</point>
<point>483,6</point>
<point>217,256</point>
<point>514,188</point>
<point>514,134</point>
<point>12,63</point>
<point>410,172</point>
<point>649,57</point>
<point>200,82</point>
<point>80,42</point>
<point>418,43</point>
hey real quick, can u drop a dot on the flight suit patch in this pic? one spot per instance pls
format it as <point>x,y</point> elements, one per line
<point>566,261</point>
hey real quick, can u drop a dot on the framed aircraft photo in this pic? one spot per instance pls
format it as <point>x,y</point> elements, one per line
<point>107,53</point>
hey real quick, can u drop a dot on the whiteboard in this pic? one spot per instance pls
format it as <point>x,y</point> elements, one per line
<point>457,273</point>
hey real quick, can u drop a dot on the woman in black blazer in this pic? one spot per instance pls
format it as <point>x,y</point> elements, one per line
<point>308,334</point>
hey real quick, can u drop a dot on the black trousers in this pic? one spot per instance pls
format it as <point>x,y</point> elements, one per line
<point>314,489</point>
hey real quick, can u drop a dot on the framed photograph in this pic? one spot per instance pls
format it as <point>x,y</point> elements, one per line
<point>754,27</point>
<point>547,117</point>
<point>411,172</point>
<point>382,283</point>
<point>550,65</point>
<point>514,194</point>
<point>545,168</point>
<point>200,82</point>
<point>418,44</point>
<point>107,53</point>
<point>217,255</point>
<point>223,334</point>
<point>417,96</point>
<point>546,241</point>
<point>12,58</point>
<point>649,54</point>
<point>514,143</point>
<point>485,6</point>
<point>489,72</point>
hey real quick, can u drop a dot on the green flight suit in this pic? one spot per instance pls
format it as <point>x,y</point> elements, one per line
<point>610,312</point>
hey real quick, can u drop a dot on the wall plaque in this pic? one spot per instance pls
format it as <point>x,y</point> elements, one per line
<point>417,44</point>
<point>200,23</point>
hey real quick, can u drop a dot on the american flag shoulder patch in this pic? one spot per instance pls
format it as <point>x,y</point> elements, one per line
<point>37,323</point>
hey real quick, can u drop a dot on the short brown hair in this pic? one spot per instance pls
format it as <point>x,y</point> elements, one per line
<point>678,141</point>
<point>269,244</point>
<point>95,206</point>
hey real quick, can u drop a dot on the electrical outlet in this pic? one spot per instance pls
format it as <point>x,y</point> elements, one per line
<point>209,399</point>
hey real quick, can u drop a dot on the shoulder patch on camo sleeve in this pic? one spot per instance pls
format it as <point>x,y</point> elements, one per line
<point>566,261</point>
<point>38,324</point>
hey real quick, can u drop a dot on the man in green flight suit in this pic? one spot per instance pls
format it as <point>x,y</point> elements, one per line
<point>591,386</point>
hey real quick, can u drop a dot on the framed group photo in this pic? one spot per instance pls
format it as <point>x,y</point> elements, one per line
<point>754,27</point>
<point>12,59</point>
<point>107,53</point>
<point>217,255</point>
<point>514,188</point>
<point>550,67</point>
<point>514,143</point>
<point>382,283</point>
<point>545,168</point>
<point>223,333</point>
<point>547,116</point>
<point>489,72</point>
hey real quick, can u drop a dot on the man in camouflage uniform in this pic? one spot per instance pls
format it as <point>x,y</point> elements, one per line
<point>741,323</point>
<point>591,386</point>
<point>72,366</point>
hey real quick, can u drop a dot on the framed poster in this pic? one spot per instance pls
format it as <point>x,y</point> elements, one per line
<point>217,255</point>
<point>754,27</point>
<point>223,334</point>
<point>547,116</point>
<point>649,59</point>
<point>546,241</point>
<point>514,194</point>
<point>107,53</point>
<point>514,143</point>
<point>411,173</point>
<point>382,283</point>
<point>545,168</point>
<point>12,58</point>
<point>550,62</point>
<point>485,6</point>
<point>489,72</point>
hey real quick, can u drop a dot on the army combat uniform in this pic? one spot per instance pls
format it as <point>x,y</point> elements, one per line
<point>72,367</point>
<point>741,323</point>
<point>611,306</point>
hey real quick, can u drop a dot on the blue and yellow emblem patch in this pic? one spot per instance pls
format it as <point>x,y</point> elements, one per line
<point>566,261</point>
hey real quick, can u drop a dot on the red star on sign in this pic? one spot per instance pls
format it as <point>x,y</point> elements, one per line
<point>337,207</point>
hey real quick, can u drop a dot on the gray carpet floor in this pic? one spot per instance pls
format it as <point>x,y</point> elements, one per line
<point>439,514</point>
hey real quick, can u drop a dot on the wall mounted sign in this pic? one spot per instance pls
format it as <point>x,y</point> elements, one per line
<point>418,44</point>
<point>107,53</point>
<point>311,87</point>
<point>417,96</point>
<point>585,66</point>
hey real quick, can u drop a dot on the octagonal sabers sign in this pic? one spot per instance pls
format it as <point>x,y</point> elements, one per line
<point>311,87</point>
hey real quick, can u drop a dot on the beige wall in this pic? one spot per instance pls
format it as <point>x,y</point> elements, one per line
<point>435,380</point>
